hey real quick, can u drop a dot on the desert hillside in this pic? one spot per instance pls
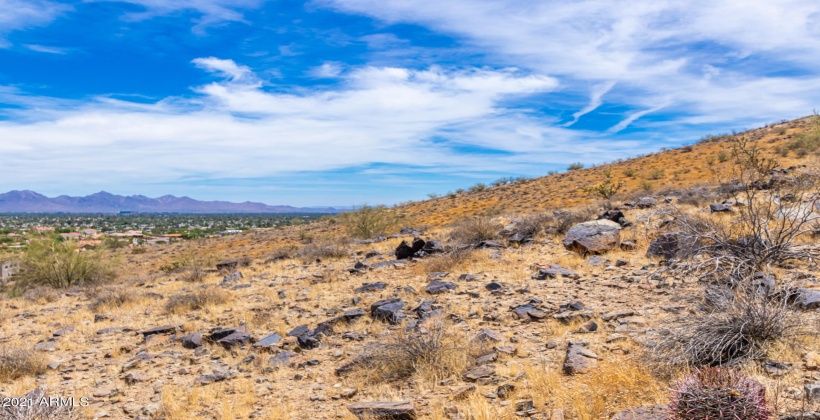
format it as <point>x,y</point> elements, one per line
<point>486,304</point>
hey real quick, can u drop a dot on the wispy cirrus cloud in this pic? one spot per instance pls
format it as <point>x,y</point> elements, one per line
<point>210,12</point>
<point>23,14</point>
<point>663,52</point>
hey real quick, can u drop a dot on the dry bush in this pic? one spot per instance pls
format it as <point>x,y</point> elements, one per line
<point>432,353</point>
<point>475,230</point>
<point>16,362</point>
<point>38,411</point>
<point>696,196</point>
<point>734,331</point>
<point>61,265</point>
<point>113,297</point>
<point>456,256</point>
<point>199,299</point>
<point>194,274</point>
<point>369,222</point>
<point>718,393</point>
<point>321,251</point>
<point>282,253</point>
<point>532,225</point>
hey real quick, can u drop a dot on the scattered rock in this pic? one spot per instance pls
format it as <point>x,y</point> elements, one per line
<point>370,287</point>
<point>673,245</point>
<point>439,286</point>
<point>720,208</point>
<point>554,271</point>
<point>165,329</point>
<point>646,203</point>
<point>389,310</point>
<point>593,237</point>
<point>384,410</point>
<point>192,341</point>
<point>268,341</point>
<point>579,359</point>
<point>478,372</point>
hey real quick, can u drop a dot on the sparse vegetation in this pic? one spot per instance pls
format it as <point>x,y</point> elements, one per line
<point>474,230</point>
<point>575,166</point>
<point>16,362</point>
<point>60,265</point>
<point>202,298</point>
<point>369,222</point>
<point>606,189</point>
<point>105,298</point>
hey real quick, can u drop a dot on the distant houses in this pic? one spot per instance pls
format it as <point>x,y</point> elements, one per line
<point>71,235</point>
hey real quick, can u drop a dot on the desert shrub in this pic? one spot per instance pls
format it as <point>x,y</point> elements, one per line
<point>435,352</point>
<point>718,393</point>
<point>474,230</point>
<point>697,196</point>
<point>722,156</point>
<point>454,257</point>
<point>646,186</point>
<point>733,331</point>
<point>139,250</point>
<point>193,274</point>
<point>629,172</point>
<point>478,187</point>
<point>199,299</point>
<point>369,222</point>
<point>809,140</point>
<point>606,189</point>
<point>532,225</point>
<point>321,251</point>
<point>60,265</point>
<point>656,174</point>
<point>38,411</point>
<point>282,253</point>
<point>16,362</point>
<point>575,166</point>
<point>113,297</point>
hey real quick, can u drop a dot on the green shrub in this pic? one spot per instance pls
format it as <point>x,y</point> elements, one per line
<point>478,187</point>
<point>575,166</point>
<point>61,264</point>
<point>606,189</point>
<point>369,222</point>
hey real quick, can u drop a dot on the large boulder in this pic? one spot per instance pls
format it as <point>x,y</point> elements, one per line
<point>405,250</point>
<point>673,245</point>
<point>579,359</point>
<point>389,310</point>
<point>594,237</point>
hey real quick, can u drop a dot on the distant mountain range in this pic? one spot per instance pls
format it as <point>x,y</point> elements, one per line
<point>103,202</point>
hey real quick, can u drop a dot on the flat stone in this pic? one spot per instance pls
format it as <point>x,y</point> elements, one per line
<point>268,341</point>
<point>192,341</point>
<point>384,410</point>
<point>554,271</point>
<point>579,359</point>
<point>478,372</point>
<point>165,329</point>
<point>439,286</point>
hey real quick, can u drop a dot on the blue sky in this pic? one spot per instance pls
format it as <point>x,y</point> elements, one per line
<point>342,102</point>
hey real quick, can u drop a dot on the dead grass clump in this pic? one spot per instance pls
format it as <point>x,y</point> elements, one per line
<point>16,362</point>
<point>743,329</point>
<point>432,354</point>
<point>321,251</point>
<point>194,274</point>
<point>113,297</point>
<point>40,295</point>
<point>456,257</point>
<point>199,299</point>
<point>475,230</point>
<point>281,254</point>
<point>532,225</point>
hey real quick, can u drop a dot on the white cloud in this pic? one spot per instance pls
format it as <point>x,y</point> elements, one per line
<point>656,51</point>
<point>595,100</point>
<point>46,49</point>
<point>22,14</point>
<point>328,70</point>
<point>210,12</point>
<point>237,129</point>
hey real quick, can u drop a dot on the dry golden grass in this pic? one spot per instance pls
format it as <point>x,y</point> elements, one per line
<point>199,299</point>
<point>17,362</point>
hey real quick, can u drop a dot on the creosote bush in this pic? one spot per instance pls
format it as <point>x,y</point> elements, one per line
<point>606,189</point>
<point>113,297</point>
<point>16,362</point>
<point>718,393</point>
<point>369,222</point>
<point>61,265</point>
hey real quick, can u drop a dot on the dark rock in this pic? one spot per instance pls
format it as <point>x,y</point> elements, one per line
<point>493,286</point>
<point>529,312</point>
<point>113,330</point>
<point>616,216</point>
<point>308,341</point>
<point>478,372</point>
<point>353,314</point>
<point>405,251</point>
<point>438,286</point>
<point>504,391</point>
<point>490,244</point>
<point>593,237</point>
<point>192,341</point>
<point>438,275</point>
<point>384,410</point>
<point>46,346</point>
<point>225,332</point>
<point>427,309</point>
<point>216,376</point>
<point>389,310</point>
<point>227,266</point>
<point>646,203</point>
<point>467,277</point>
<point>370,287</point>
<point>579,359</point>
<point>268,341</point>
<point>812,391</point>
<point>621,263</point>
<point>238,338</point>
<point>720,208</point>
<point>62,332</point>
<point>629,246</point>
<point>167,329</point>
<point>673,245</point>
<point>589,326</point>
<point>488,335</point>
<point>432,247</point>
<point>389,263</point>
<point>807,299</point>
<point>300,330</point>
<point>553,272</point>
